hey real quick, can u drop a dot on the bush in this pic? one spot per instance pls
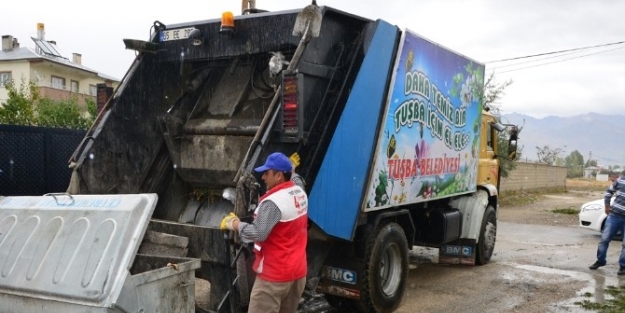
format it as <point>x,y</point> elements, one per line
<point>19,108</point>
<point>25,107</point>
<point>63,113</point>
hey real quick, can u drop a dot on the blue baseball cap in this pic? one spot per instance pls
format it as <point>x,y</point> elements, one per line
<point>276,161</point>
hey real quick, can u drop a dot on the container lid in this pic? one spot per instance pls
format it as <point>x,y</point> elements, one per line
<point>76,249</point>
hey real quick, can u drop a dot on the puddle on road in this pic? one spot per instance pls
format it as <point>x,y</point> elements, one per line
<point>597,284</point>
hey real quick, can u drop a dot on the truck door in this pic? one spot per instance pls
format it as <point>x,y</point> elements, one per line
<point>488,172</point>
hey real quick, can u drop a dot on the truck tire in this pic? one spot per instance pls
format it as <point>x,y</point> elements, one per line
<point>488,234</point>
<point>385,271</point>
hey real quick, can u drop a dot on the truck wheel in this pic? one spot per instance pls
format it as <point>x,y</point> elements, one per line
<point>488,233</point>
<point>385,271</point>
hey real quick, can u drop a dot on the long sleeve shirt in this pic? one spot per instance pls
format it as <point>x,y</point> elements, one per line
<point>268,216</point>
<point>617,189</point>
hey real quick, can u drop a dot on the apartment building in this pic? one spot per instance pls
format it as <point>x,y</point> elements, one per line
<point>57,76</point>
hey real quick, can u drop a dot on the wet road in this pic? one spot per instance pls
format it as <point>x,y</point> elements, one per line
<point>535,268</point>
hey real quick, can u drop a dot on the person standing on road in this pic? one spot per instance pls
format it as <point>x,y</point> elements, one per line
<point>614,223</point>
<point>279,232</point>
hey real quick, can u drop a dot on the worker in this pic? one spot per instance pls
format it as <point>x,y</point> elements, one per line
<point>613,223</point>
<point>279,233</point>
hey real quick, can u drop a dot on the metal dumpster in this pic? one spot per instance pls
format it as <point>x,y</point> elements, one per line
<point>64,253</point>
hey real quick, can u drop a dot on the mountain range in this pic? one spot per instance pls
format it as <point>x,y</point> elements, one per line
<point>596,136</point>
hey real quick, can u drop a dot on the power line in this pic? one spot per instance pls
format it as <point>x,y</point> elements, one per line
<point>533,61</point>
<point>560,51</point>
<point>577,57</point>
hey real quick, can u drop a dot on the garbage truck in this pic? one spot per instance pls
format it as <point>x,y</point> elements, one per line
<point>397,147</point>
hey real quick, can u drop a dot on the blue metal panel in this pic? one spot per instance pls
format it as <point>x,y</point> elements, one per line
<point>337,191</point>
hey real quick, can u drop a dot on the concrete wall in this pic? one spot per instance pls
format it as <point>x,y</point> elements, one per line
<point>532,176</point>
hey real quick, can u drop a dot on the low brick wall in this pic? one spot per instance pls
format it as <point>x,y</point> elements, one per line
<point>532,176</point>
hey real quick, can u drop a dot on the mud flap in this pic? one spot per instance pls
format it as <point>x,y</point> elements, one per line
<point>340,281</point>
<point>461,251</point>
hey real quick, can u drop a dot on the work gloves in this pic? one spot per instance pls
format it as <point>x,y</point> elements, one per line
<point>295,160</point>
<point>228,221</point>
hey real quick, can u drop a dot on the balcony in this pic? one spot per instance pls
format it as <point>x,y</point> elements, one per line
<point>55,93</point>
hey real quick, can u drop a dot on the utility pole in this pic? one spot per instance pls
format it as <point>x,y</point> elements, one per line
<point>247,5</point>
<point>589,165</point>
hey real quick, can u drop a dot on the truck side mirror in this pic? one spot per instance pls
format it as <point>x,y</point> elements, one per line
<point>512,142</point>
<point>498,126</point>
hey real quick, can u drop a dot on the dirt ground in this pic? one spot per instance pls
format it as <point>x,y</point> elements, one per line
<point>539,264</point>
<point>541,211</point>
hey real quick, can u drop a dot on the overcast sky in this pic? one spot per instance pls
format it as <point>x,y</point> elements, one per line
<point>486,31</point>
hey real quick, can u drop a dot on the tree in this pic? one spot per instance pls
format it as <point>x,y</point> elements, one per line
<point>507,165</point>
<point>493,92</point>
<point>24,106</point>
<point>575,164</point>
<point>64,113</point>
<point>547,155</point>
<point>19,107</point>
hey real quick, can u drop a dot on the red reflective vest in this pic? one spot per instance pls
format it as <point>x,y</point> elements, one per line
<point>282,256</point>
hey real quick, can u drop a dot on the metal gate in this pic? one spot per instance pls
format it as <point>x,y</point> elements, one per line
<point>34,160</point>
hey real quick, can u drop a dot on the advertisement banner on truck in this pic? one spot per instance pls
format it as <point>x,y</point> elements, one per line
<point>429,139</point>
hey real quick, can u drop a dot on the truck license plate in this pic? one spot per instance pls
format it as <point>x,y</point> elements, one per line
<point>175,34</point>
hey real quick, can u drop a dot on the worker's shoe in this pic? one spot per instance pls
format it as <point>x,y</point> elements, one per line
<point>598,264</point>
<point>621,271</point>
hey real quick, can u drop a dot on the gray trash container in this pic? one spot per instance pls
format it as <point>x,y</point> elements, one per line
<point>79,254</point>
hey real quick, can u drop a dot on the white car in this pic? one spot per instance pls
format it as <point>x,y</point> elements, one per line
<point>592,215</point>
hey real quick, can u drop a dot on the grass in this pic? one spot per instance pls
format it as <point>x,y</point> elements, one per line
<point>586,184</point>
<point>524,197</point>
<point>518,198</point>
<point>568,211</point>
<point>514,199</point>
<point>614,305</point>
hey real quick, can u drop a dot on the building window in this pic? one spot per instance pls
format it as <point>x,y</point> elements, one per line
<point>58,82</point>
<point>73,86</point>
<point>5,77</point>
<point>93,90</point>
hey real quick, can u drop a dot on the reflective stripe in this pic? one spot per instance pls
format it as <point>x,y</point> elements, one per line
<point>257,247</point>
<point>261,265</point>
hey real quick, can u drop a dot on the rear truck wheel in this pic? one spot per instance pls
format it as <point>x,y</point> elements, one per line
<point>488,234</point>
<point>385,270</point>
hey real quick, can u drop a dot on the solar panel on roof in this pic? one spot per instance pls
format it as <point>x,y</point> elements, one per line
<point>41,46</point>
<point>46,47</point>
<point>54,48</point>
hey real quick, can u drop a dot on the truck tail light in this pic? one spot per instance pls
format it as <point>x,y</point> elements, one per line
<point>291,107</point>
